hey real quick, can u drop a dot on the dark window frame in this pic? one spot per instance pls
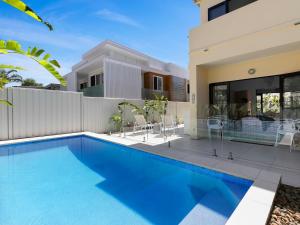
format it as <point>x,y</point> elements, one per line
<point>281,88</point>
<point>227,9</point>
<point>83,85</point>
<point>217,6</point>
<point>155,83</point>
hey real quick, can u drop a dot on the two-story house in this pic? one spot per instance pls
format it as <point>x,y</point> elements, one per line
<point>245,60</point>
<point>116,71</point>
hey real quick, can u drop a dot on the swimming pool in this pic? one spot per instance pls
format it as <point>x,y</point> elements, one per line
<point>82,180</point>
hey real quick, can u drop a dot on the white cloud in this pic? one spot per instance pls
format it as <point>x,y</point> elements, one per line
<point>118,17</point>
<point>22,31</point>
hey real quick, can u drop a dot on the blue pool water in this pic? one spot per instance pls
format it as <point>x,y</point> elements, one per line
<point>86,181</point>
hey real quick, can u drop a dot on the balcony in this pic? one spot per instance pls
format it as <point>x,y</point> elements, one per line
<point>96,91</point>
<point>261,20</point>
<point>150,93</point>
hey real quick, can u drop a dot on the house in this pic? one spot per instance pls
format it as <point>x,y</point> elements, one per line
<point>245,61</point>
<point>116,71</point>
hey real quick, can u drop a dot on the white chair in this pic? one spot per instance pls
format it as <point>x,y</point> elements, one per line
<point>288,130</point>
<point>214,124</point>
<point>297,124</point>
<point>140,122</point>
<point>168,123</point>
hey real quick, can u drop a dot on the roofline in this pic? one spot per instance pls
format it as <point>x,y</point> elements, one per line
<point>123,47</point>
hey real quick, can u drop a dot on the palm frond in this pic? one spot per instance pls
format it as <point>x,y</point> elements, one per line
<point>12,67</point>
<point>20,5</point>
<point>5,102</point>
<point>38,55</point>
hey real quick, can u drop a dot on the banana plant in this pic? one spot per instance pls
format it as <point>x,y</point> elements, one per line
<point>20,5</point>
<point>38,55</point>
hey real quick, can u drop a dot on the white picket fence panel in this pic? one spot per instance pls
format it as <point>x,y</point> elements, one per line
<point>42,112</point>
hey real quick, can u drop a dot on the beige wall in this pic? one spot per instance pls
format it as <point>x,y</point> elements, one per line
<point>261,35</point>
<point>266,66</point>
<point>261,25</point>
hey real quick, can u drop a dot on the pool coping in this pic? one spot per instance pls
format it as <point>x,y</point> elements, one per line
<point>254,208</point>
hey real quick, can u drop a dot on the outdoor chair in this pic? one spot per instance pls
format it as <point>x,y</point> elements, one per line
<point>168,123</point>
<point>141,123</point>
<point>287,129</point>
<point>214,124</point>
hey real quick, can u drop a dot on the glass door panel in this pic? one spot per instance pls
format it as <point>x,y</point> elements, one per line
<point>291,97</point>
<point>219,100</point>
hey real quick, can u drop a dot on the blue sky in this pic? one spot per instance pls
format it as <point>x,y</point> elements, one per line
<point>157,27</point>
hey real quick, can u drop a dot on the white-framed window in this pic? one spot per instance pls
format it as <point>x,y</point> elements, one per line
<point>96,80</point>
<point>157,83</point>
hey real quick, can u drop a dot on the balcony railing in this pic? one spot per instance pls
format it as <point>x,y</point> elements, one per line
<point>96,91</point>
<point>150,93</point>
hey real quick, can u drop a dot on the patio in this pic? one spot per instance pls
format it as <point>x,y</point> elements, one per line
<point>252,157</point>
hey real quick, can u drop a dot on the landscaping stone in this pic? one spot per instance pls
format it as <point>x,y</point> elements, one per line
<point>286,210</point>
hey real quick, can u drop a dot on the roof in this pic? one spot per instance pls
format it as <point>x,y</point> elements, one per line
<point>165,67</point>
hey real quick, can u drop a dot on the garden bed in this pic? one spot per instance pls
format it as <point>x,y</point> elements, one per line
<point>286,210</point>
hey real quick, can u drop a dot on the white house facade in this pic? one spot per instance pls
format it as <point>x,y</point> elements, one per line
<point>116,71</point>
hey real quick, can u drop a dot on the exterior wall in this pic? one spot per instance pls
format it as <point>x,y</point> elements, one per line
<point>43,112</point>
<point>148,81</point>
<point>261,35</point>
<point>122,80</point>
<point>174,87</point>
<point>278,64</point>
<point>71,79</point>
<point>178,89</point>
<point>239,32</point>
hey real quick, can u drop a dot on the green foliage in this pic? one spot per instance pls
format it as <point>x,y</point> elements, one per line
<point>5,66</point>
<point>136,109</point>
<point>4,102</point>
<point>20,5</point>
<point>8,77</point>
<point>160,104</point>
<point>29,82</point>
<point>271,103</point>
<point>13,47</point>
<point>117,121</point>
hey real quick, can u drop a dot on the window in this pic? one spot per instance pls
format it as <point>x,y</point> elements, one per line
<point>157,83</point>
<point>83,85</point>
<point>96,80</point>
<point>226,7</point>
<point>188,88</point>
<point>217,11</point>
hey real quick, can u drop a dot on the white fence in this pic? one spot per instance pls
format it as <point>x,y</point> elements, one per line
<point>42,112</point>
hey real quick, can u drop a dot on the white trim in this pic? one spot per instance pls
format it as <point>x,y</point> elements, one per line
<point>162,83</point>
<point>121,63</point>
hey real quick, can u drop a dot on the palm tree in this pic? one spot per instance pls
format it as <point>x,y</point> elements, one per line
<point>8,77</point>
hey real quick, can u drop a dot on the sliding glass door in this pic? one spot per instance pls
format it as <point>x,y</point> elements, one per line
<point>291,96</point>
<point>219,98</point>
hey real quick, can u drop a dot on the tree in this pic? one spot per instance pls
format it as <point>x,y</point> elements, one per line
<point>8,77</point>
<point>36,54</point>
<point>29,82</point>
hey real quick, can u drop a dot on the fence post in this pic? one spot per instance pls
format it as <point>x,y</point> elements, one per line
<point>10,113</point>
